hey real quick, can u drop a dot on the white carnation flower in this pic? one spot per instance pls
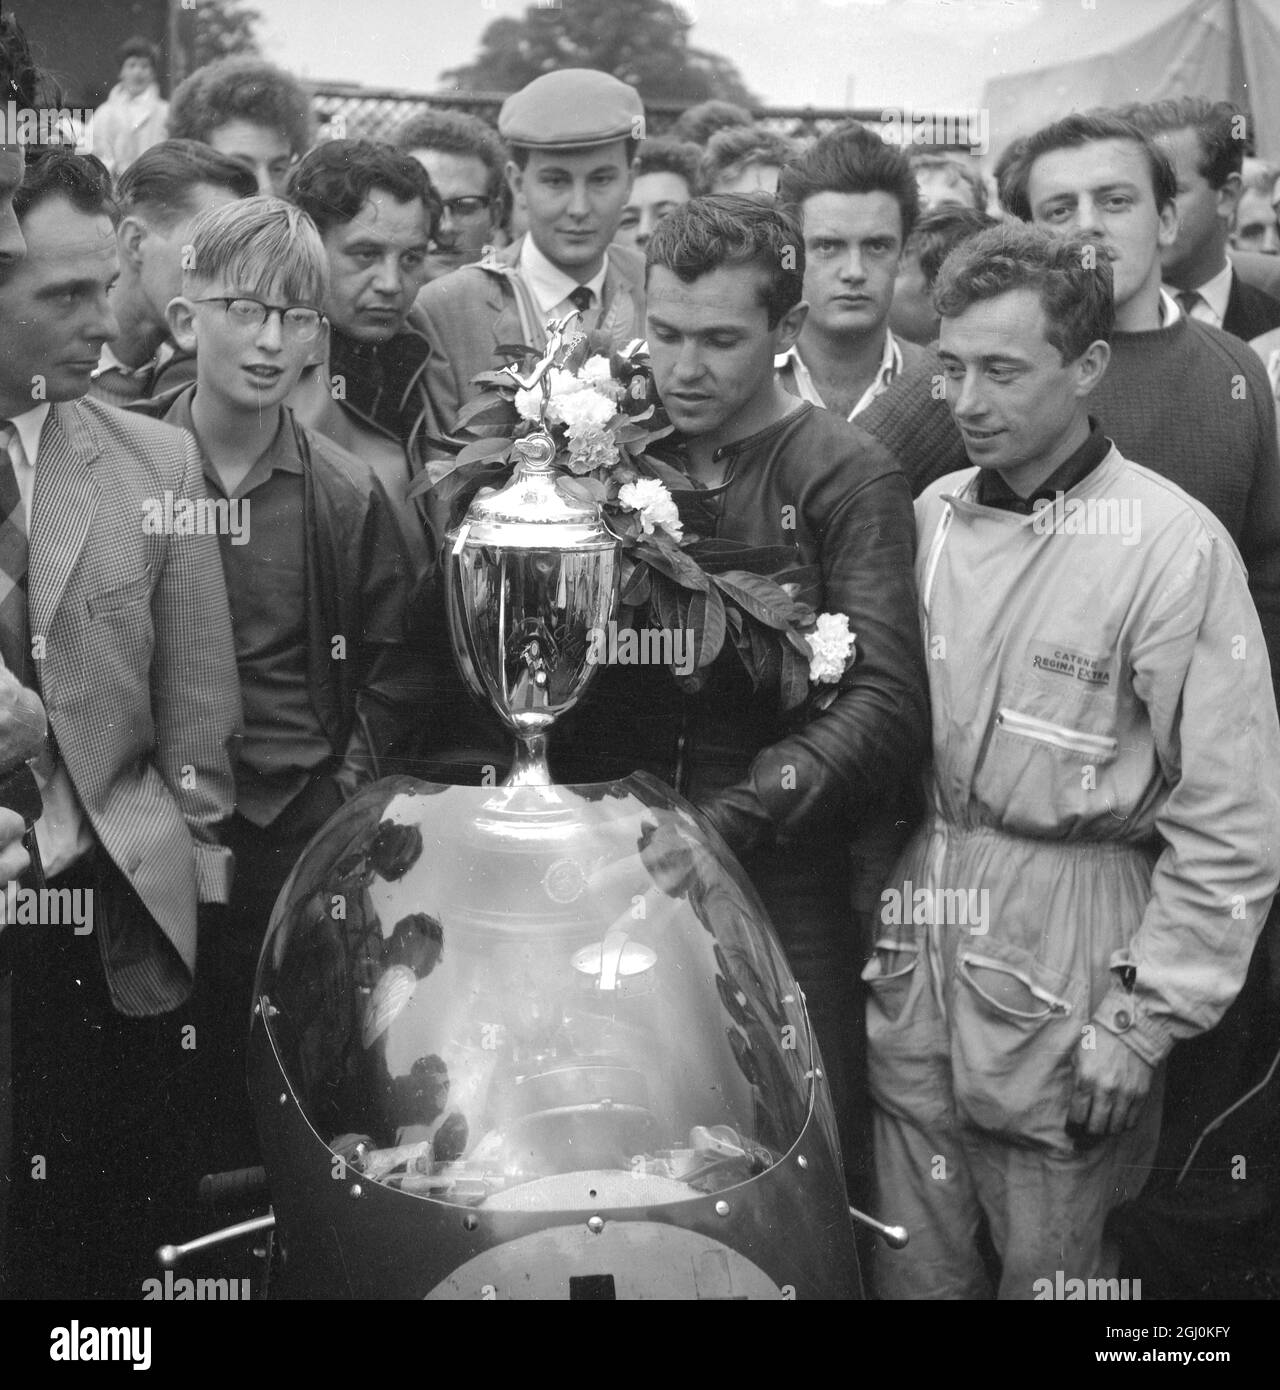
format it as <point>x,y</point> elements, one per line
<point>563,385</point>
<point>830,647</point>
<point>596,373</point>
<point>584,407</point>
<point>529,404</point>
<point>655,504</point>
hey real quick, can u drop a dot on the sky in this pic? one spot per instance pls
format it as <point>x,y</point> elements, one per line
<point>926,53</point>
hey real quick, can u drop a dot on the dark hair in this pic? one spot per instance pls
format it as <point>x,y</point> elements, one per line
<point>852,159</point>
<point>162,179</point>
<point>138,47</point>
<point>1084,128</point>
<point>1214,122</point>
<point>699,123</point>
<point>21,81</point>
<point>1071,275</point>
<point>733,229</point>
<point>1009,156</point>
<point>741,147</point>
<point>520,153</point>
<point>333,182</point>
<point>962,171</point>
<point>61,173</point>
<point>241,89</point>
<point>666,156</point>
<point>456,132</point>
<point>939,232</point>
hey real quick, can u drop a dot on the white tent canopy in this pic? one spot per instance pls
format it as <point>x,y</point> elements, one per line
<point>1222,49</point>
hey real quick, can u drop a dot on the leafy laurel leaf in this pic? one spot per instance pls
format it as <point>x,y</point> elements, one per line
<point>667,558</point>
<point>794,679</point>
<point>704,616</point>
<point>663,600</point>
<point>500,379</point>
<point>487,409</point>
<point>481,450</point>
<point>590,490</point>
<point>760,597</point>
<point>636,583</point>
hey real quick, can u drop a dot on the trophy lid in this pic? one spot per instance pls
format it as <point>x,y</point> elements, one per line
<point>531,513</point>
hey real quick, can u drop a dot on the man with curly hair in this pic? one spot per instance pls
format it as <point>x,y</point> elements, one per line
<point>248,108</point>
<point>745,159</point>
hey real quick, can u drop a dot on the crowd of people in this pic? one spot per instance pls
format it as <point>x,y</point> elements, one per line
<point>1028,447</point>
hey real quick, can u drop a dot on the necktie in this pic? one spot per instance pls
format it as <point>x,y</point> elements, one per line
<point>15,645</point>
<point>582,299</point>
<point>1188,299</point>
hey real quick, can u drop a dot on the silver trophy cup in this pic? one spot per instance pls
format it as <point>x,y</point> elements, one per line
<point>531,574</point>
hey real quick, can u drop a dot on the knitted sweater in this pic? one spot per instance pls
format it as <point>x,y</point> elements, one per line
<point>1188,401</point>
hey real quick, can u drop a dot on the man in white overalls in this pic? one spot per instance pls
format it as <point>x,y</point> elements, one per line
<point>1102,845</point>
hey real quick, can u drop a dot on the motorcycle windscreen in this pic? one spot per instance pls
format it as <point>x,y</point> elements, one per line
<point>472,990</point>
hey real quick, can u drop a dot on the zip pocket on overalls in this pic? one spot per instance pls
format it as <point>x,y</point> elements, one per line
<point>1056,735</point>
<point>971,960</point>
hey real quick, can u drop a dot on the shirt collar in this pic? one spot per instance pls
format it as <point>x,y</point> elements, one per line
<point>109,362</point>
<point>993,491</point>
<point>1216,291</point>
<point>1170,309</point>
<point>28,425</point>
<point>282,452</point>
<point>549,284</point>
<point>890,366</point>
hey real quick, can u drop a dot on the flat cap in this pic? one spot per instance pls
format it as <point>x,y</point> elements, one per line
<point>574,108</point>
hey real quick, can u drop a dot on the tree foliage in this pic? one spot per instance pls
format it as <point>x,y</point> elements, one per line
<point>643,42</point>
<point>223,29</point>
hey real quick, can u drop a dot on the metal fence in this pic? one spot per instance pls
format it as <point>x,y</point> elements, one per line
<point>376,113</point>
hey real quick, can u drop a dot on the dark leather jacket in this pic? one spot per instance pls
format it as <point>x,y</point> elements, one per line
<point>823,487</point>
<point>385,385</point>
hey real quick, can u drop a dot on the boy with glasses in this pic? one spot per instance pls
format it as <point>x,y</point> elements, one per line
<point>317,579</point>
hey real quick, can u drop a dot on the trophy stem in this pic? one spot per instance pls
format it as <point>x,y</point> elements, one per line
<point>529,769</point>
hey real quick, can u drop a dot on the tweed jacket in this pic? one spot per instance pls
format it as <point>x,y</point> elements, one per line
<point>473,310</point>
<point>138,673</point>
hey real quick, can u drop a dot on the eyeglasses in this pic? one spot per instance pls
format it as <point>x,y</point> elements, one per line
<point>465,207</point>
<point>296,321</point>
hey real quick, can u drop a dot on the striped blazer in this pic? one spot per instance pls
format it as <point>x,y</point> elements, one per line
<point>132,635</point>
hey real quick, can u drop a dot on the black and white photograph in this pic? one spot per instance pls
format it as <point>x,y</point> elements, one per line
<point>638,662</point>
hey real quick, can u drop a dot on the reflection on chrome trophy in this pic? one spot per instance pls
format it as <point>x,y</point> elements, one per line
<point>536,1041</point>
<point>531,574</point>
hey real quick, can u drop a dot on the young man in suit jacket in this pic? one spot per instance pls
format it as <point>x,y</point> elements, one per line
<point>124,630</point>
<point>573,137</point>
<point>1205,144</point>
